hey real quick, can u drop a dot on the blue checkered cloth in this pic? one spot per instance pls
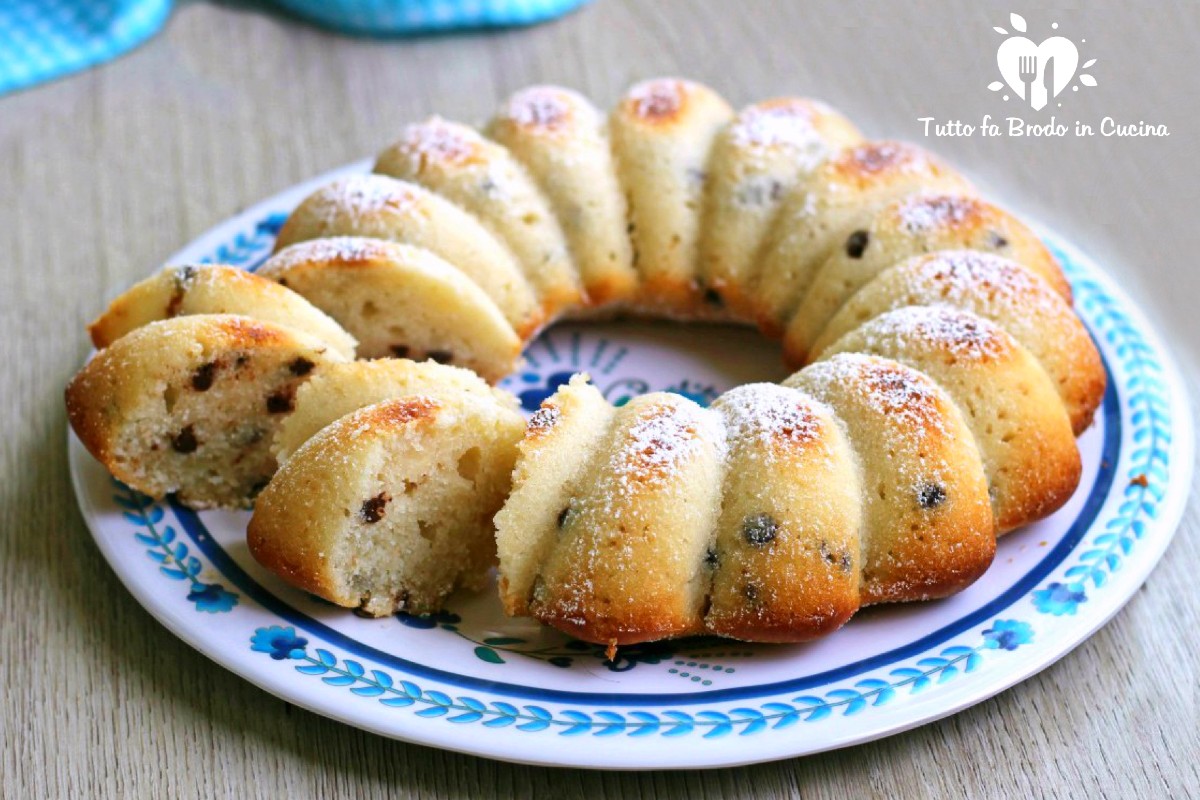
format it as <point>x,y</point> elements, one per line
<point>45,39</point>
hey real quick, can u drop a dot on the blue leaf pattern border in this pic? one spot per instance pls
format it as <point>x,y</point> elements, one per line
<point>283,643</point>
<point>1145,394</point>
<point>164,547</point>
<point>1144,391</point>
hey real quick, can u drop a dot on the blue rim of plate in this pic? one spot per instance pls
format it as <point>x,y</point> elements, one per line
<point>1147,442</point>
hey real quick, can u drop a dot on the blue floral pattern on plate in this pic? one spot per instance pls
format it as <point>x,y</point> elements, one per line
<point>1059,598</point>
<point>279,643</point>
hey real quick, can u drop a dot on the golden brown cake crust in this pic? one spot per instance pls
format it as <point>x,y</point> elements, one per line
<point>950,377</point>
<point>772,516</point>
<point>214,289</point>
<point>1001,291</point>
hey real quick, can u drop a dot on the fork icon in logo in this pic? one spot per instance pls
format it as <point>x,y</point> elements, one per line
<point>1028,72</point>
<point>1038,73</point>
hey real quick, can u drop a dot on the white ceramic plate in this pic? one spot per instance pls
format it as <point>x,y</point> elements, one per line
<point>473,681</point>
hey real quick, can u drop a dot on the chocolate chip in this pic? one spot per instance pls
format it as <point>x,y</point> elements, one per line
<point>399,350</point>
<point>562,517</point>
<point>185,441</point>
<point>713,298</point>
<point>441,356</point>
<point>280,402</point>
<point>857,243</point>
<point>373,509</point>
<point>711,559</point>
<point>202,378</point>
<point>760,529</point>
<point>183,276</point>
<point>930,495</point>
<point>301,366</point>
<point>841,558</point>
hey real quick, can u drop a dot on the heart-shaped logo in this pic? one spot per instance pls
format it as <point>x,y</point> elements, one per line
<point>1037,72</point>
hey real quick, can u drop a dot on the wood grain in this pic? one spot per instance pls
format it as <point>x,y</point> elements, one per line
<point>105,174</point>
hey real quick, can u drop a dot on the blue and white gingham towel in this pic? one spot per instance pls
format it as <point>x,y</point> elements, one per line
<point>44,39</point>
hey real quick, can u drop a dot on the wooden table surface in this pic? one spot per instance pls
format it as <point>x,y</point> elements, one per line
<point>104,174</point>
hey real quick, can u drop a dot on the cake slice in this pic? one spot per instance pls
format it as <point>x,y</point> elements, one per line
<point>999,290</point>
<point>1019,425</point>
<point>342,388</point>
<point>560,443</point>
<point>787,556</point>
<point>561,139</point>
<point>214,289</point>
<point>390,507</point>
<point>926,521</point>
<point>400,300</point>
<point>629,564</point>
<point>483,178</point>
<point>757,161</point>
<point>662,131</point>
<point>191,404</point>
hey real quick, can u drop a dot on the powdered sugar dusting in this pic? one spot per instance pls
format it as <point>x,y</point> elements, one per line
<point>184,276</point>
<point>980,281</point>
<point>876,157</point>
<point>663,436</point>
<point>962,275</point>
<point>544,419</point>
<point>786,125</point>
<point>905,394</point>
<point>542,107</point>
<point>659,439</point>
<point>438,141</point>
<point>364,195</point>
<point>658,99</point>
<point>938,328</point>
<point>983,283</point>
<point>806,211</point>
<point>331,250</point>
<point>912,400</point>
<point>926,212</point>
<point>762,415</point>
